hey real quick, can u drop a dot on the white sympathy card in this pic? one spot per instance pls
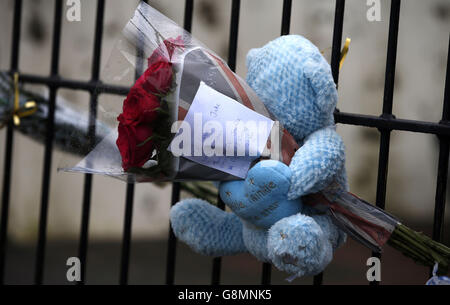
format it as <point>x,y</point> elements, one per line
<point>221,133</point>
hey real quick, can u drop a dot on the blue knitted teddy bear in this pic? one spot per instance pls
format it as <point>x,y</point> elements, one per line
<point>268,218</point>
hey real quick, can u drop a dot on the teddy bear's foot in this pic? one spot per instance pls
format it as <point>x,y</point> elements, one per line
<point>298,246</point>
<point>207,229</point>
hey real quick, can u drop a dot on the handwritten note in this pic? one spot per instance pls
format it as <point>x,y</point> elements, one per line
<point>224,134</point>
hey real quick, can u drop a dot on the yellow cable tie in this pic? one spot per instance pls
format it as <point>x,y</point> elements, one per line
<point>344,52</point>
<point>29,107</point>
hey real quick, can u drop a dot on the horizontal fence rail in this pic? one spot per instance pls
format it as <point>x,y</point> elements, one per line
<point>385,123</point>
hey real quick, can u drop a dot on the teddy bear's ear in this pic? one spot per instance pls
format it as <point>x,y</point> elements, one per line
<point>251,55</point>
<point>255,64</point>
<point>318,72</point>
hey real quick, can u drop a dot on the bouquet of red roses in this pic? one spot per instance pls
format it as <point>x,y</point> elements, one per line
<point>144,132</point>
<point>175,77</point>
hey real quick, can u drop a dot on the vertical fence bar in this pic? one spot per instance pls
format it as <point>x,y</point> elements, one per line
<point>232,51</point>
<point>266,273</point>
<point>95,74</point>
<point>391,57</point>
<point>286,17</point>
<point>234,32</point>
<point>172,241</point>
<point>188,13</point>
<point>9,145</point>
<point>217,261</point>
<point>385,134</point>
<point>126,239</point>
<point>439,207</point>
<point>337,39</point>
<point>40,253</point>
<point>129,196</point>
<point>335,58</point>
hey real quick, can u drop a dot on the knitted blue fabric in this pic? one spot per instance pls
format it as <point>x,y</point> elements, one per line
<point>269,220</point>
<point>299,246</point>
<point>199,223</point>
<point>295,83</point>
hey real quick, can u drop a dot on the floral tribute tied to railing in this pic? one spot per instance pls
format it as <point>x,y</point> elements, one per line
<point>142,126</point>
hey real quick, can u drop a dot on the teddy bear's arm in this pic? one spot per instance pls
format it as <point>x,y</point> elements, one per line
<point>316,163</point>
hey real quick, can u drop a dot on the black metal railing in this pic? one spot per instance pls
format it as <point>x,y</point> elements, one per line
<point>385,123</point>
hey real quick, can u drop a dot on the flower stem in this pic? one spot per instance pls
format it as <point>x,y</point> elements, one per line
<point>161,110</point>
<point>154,136</point>
<point>420,248</point>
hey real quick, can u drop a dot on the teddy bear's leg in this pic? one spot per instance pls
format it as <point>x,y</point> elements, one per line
<point>207,229</point>
<point>255,240</point>
<point>298,245</point>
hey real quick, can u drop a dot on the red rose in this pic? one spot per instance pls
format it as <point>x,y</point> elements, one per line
<point>171,44</point>
<point>158,55</point>
<point>157,79</point>
<point>161,54</point>
<point>136,123</point>
<point>135,127</point>
<point>139,106</point>
<point>134,144</point>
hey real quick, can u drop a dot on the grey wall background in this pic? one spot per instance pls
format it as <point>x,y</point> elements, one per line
<point>419,89</point>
